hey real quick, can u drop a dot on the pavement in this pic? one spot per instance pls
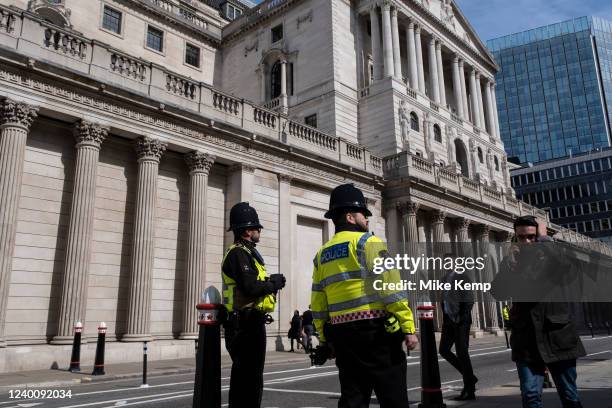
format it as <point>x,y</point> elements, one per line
<point>290,382</point>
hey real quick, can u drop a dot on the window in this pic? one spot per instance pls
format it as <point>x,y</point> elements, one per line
<point>277,33</point>
<point>233,12</point>
<point>311,120</point>
<point>496,160</point>
<point>111,20</point>
<point>155,39</point>
<point>192,55</point>
<point>437,133</point>
<point>414,122</point>
<point>480,158</point>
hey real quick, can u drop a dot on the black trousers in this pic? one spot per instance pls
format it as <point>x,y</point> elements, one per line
<point>459,335</point>
<point>245,340</point>
<point>369,359</point>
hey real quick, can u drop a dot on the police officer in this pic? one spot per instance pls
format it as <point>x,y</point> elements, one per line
<point>364,327</point>
<point>249,295</point>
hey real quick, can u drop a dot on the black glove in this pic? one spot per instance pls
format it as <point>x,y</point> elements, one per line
<point>321,354</point>
<point>278,281</point>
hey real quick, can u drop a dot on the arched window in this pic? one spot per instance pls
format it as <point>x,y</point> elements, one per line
<point>275,80</point>
<point>480,158</point>
<point>414,122</point>
<point>496,163</point>
<point>437,133</point>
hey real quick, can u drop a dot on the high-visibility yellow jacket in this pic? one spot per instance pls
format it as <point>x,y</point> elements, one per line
<point>343,281</point>
<point>233,299</point>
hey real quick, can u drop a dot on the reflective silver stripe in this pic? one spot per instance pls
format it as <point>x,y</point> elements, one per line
<point>396,297</point>
<point>350,304</point>
<point>320,315</point>
<point>317,287</point>
<point>339,277</point>
<point>361,255</point>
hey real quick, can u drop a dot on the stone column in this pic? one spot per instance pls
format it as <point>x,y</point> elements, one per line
<point>240,180</point>
<point>149,152</point>
<point>15,121</point>
<point>457,87</point>
<point>408,211</point>
<point>413,73</point>
<point>387,39</point>
<point>437,235</point>
<point>434,81</point>
<point>397,59</point>
<point>489,304</point>
<point>375,36</point>
<point>462,240</point>
<point>495,113</point>
<point>285,226</point>
<point>474,98</point>
<point>283,94</point>
<point>419,54</point>
<point>199,165</point>
<point>464,100</point>
<point>441,73</point>
<point>264,85</point>
<point>490,114</point>
<point>89,137</point>
<point>481,111</point>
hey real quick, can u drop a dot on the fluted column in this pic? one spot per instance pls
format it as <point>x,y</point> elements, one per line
<point>434,81</point>
<point>397,59</point>
<point>199,165</point>
<point>285,224</point>
<point>283,94</point>
<point>437,229</point>
<point>16,119</point>
<point>89,137</point>
<point>375,36</point>
<point>462,239</point>
<point>489,102</point>
<point>474,98</point>
<point>408,211</point>
<point>464,100</point>
<point>490,306</point>
<point>495,113</point>
<point>149,152</point>
<point>457,87</point>
<point>413,73</point>
<point>481,107</point>
<point>419,54</point>
<point>441,73</point>
<point>387,39</point>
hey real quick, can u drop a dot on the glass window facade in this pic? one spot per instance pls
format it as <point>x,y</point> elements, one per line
<point>552,89</point>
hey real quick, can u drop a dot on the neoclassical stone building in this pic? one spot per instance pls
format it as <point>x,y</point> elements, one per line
<point>128,130</point>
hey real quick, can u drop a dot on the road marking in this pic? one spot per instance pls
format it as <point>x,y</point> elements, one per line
<point>335,394</point>
<point>600,352</point>
<point>511,371</point>
<point>585,338</point>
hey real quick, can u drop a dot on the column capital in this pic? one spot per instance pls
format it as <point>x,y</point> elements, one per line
<point>17,113</point>
<point>407,207</point>
<point>473,71</point>
<point>437,216</point>
<point>432,41</point>
<point>386,5</point>
<point>481,230</point>
<point>373,7</point>
<point>284,178</point>
<point>90,134</point>
<point>461,62</point>
<point>477,75</point>
<point>456,59</point>
<point>461,223</point>
<point>148,148</point>
<point>411,25</point>
<point>394,12</point>
<point>241,167</point>
<point>282,61</point>
<point>417,29</point>
<point>438,44</point>
<point>199,162</point>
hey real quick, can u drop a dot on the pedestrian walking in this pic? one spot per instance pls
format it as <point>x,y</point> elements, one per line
<point>295,330</point>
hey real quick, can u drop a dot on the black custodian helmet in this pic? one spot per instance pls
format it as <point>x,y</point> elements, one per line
<point>243,216</point>
<point>347,197</point>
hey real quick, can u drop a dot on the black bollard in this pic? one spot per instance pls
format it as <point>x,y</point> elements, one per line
<point>431,392</point>
<point>207,391</point>
<point>144,365</point>
<point>75,358</point>
<point>507,341</point>
<point>591,329</point>
<point>99,361</point>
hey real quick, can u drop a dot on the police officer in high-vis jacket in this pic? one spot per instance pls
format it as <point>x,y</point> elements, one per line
<point>248,295</point>
<point>364,327</point>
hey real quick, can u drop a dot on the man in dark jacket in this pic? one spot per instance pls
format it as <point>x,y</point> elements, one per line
<point>456,322</point>
<point>543,334</point>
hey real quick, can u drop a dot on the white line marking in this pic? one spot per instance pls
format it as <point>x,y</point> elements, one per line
<point>600,352</point>
<point>589,338</point>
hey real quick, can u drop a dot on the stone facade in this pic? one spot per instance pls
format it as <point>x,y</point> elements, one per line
<point>127,223</point>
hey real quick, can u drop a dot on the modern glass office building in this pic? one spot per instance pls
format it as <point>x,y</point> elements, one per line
<point>554,89</point>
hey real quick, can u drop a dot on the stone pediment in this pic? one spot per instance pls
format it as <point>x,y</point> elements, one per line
<point>451,16</point>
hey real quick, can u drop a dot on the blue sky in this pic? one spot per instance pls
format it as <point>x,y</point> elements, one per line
<point>495,18</point>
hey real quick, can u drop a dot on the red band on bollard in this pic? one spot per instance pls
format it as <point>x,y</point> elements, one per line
<point>425,312</point>
<point>208,314</point>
